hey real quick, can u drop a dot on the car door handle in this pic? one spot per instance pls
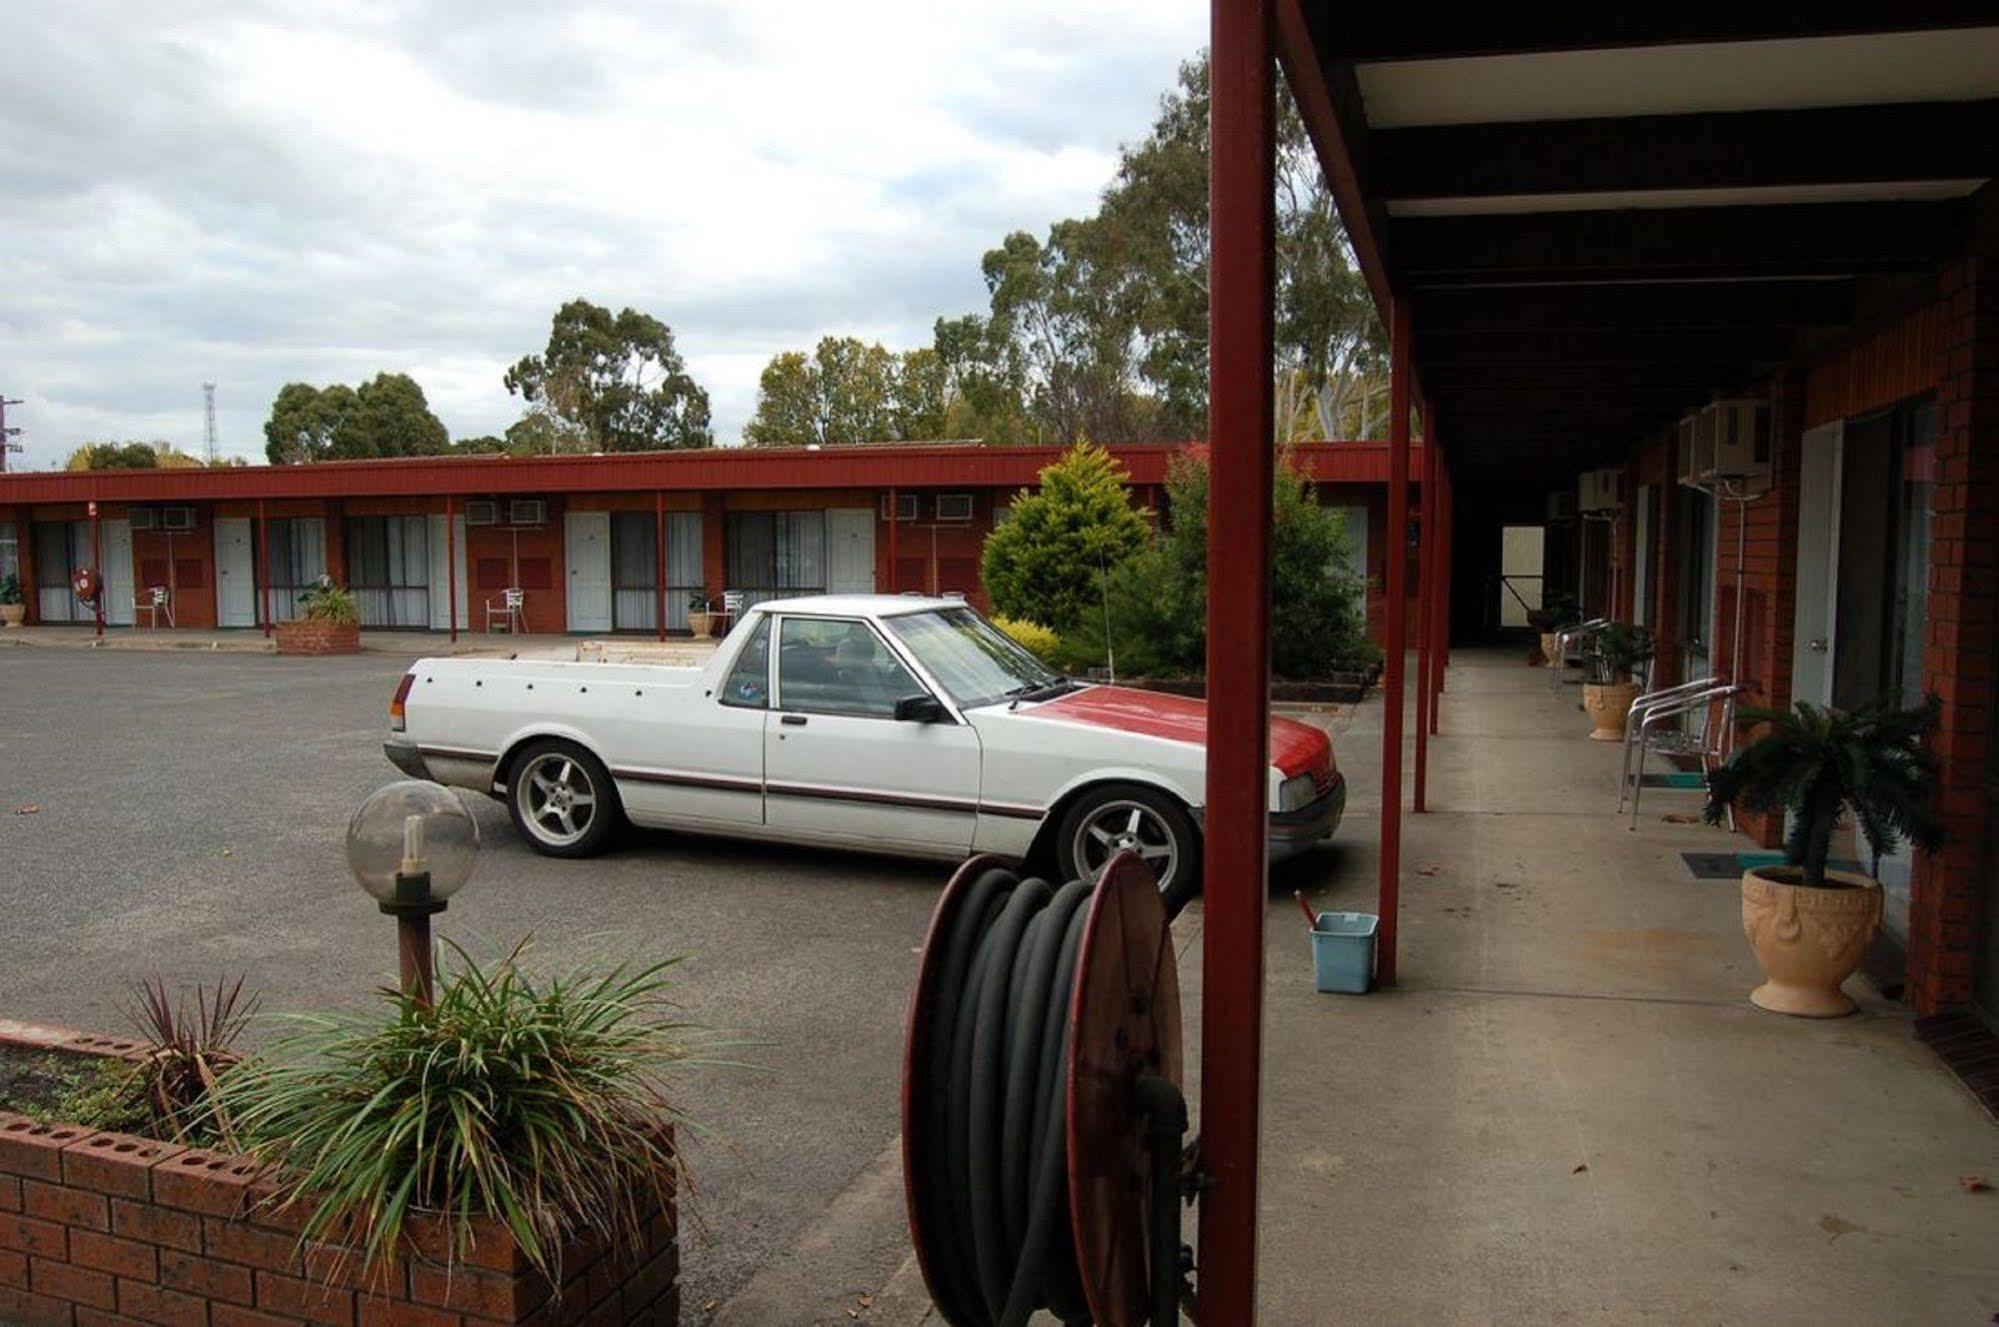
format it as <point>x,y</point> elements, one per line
<point>792,720</point>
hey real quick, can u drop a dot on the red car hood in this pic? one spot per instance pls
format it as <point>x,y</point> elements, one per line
<point>1295,748</point>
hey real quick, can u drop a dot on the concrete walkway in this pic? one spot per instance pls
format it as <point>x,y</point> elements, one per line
<point>414,644</point>
<point>1567,1112</point>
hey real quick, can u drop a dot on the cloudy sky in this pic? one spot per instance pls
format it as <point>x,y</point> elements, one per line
<point>255,193</point>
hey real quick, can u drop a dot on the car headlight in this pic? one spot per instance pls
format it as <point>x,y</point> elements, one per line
<point>1295,792</point>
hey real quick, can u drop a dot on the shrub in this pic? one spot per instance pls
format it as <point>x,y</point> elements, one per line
<point>541,1104</point>
<point>1036,639</point>
<point>1046,563</point>
<point>1615,651</point>
<point>330,603</point>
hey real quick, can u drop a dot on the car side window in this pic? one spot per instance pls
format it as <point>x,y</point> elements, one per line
<point>748,684</point>
<point>831,666</point>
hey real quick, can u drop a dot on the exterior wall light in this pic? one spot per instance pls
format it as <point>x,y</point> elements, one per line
<point>412,845</point>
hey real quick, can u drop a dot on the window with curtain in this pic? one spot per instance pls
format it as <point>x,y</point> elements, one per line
<point>776,555</point>
<point>60,548</point>
<point>634,571</point>
<point>10,550</point>
<point>388,569</point>
<point>298,560</point>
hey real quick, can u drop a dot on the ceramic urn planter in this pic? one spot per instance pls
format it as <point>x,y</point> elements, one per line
<point>12,615</point>
<point>1607,705</point>
<point>1548,649</point>
<point>1808,940</point>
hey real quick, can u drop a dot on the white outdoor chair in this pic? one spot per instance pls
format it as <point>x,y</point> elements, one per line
<point>1678,721</point>
<point>510,607</point>
<point>732,608</point>
<point>1567,641</point>
<point>152,603</point>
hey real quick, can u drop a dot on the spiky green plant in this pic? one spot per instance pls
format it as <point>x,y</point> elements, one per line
<point>541,1103</point>
<point>1616,650</point>
<point>1815,763</point>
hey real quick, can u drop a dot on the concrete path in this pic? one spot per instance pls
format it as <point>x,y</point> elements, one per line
<point>412,644</point>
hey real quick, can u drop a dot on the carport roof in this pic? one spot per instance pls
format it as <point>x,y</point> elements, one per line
<point>1602,215</point>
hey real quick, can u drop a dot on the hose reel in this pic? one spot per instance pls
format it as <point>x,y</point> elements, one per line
<point>1042,1119</point>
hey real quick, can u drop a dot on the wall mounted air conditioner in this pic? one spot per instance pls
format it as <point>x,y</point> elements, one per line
<point>1561,506</point>
<point>1740,430</point>
<point>1696,448</point>
<point>482,511</point>
<point>1586,492</point>
<point>1608,489</point>
<point>140,517</point>
<point>954,506</point>
<point>176,518</point>
<point>905,507</point>
<point>527,511</point>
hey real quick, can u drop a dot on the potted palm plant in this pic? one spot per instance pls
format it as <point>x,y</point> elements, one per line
<point>1612,656</point>
<point>13,610</point>
<point>1558,612</point>
<point>1807,924</point>
<point>700,614</point>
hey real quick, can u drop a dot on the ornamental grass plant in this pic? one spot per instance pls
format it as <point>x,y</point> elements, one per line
<point>542,1103</point>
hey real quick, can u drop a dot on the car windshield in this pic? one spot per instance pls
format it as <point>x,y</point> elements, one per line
<point>974,661</point>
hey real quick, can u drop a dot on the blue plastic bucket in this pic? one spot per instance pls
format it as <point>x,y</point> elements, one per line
<point>1343,951</point>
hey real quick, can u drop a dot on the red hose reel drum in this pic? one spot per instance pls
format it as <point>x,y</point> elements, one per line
<point>87,584</point>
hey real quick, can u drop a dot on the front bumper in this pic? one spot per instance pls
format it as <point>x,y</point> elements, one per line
<point>406,756</point>
<point>1292,832</point>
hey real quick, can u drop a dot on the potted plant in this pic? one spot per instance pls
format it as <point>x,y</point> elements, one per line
<point>1558,612</point>
<point>13,610</point>
<point>1612,655</point>
<point>1809,925</point>
<point>700,614</point>
<point>329,622</point>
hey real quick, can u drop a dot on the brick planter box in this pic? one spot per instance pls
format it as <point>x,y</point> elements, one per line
<point>102,1229</point>
<point>306,637</point>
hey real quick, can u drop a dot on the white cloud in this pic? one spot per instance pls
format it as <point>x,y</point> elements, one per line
<point>264,191</point>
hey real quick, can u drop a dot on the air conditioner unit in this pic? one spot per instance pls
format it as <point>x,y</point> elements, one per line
<point>905,507</point>
<point>1696,448</point>
<point>955,507</point>
<point>482,511</point>
<point>1607,490</point>
<point>176,518</point>
<point>141,518</point>
<point>527,511</point>
<point>1561,506</point>
<point>1740,431</point>
<point>1586,492</point>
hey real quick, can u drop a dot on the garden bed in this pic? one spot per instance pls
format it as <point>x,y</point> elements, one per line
<point>1342,688</point>
<point>101,1228</point>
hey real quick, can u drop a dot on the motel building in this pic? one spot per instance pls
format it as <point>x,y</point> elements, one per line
<point>594,544</point>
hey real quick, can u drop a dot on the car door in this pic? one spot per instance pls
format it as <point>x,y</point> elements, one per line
<point>839,765</point>
<point>697,759</point>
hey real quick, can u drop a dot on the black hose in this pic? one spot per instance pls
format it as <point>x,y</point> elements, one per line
<point>995,1194</point>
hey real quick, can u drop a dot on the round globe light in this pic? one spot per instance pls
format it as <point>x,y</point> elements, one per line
<point>409,829</point>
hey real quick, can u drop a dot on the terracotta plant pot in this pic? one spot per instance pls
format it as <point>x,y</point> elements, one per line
<point>1548,649</point>
<point>1807,939</point>
<point>1607,704</point>
<point>13,615</point>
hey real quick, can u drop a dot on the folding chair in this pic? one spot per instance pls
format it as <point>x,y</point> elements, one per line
<point>1650,728</point>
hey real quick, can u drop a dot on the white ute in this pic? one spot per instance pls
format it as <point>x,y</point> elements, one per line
<point>880,723</point>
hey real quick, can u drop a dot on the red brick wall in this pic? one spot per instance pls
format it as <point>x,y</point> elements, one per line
<point>1958,655</point>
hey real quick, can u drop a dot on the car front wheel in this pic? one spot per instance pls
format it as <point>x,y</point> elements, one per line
<point>1107,820</point>
<point>562,800</point>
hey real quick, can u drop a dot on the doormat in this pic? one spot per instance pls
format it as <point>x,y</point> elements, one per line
<point>1969,1050</point>
<point>1686,780</point>
<point>1731,865</point>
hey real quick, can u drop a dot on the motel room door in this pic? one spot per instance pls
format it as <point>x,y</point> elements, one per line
<point>850,550</point>
<point>586,547</point>
<point>119,610</point>
<point>235,573</point>
<point>1815,637</point>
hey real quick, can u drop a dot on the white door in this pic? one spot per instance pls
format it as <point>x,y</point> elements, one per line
<point>839,765</point>
<point>235,573</point>
<point>441,573</point>
<point>1641,560</point>
<point>117,571</point>
<point>586,548</point>
<point>1356,522</point>
<point>1816,638</point>
<point>850,550</point>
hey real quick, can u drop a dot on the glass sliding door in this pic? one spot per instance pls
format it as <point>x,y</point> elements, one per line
<point>298,560</point>
<point>634,571</point>
<point>776,555</point>
<point>388,569</point>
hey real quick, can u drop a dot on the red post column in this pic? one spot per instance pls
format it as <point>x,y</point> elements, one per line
<point>1241,229</point>
<point>1441,623</point>
<point>1395,632</point>
<point>97,565</point>
<point>659,548</point>
<point>451,562</point>
<point>264,566</point>
<point>1426,609</point>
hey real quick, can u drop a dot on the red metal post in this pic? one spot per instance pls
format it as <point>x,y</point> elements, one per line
<point>264,565</point>
<point>1440,621</point>
<point>97,564</point>
<point>659,549</point>
<point>1395,632</point>
<point>1241,228</point>
<point>1426,582</point>
<point>451,561</point>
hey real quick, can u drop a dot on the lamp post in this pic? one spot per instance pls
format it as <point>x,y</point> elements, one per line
<point>411,845</point>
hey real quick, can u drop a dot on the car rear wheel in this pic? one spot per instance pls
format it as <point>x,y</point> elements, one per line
<point>562,800</point>
<point>1107,820</point>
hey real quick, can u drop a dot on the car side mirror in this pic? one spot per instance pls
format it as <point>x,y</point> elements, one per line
<point>920,709</point>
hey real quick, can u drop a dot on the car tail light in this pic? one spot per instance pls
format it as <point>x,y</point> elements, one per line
<point>396,719</point>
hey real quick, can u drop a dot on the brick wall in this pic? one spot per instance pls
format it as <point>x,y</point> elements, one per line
<point>1958,654</point>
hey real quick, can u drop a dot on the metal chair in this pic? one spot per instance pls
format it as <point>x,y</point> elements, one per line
<point>509,607</point>
<point>1565,640</point>
<point>1650,728</point>
<point>154,602</point>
